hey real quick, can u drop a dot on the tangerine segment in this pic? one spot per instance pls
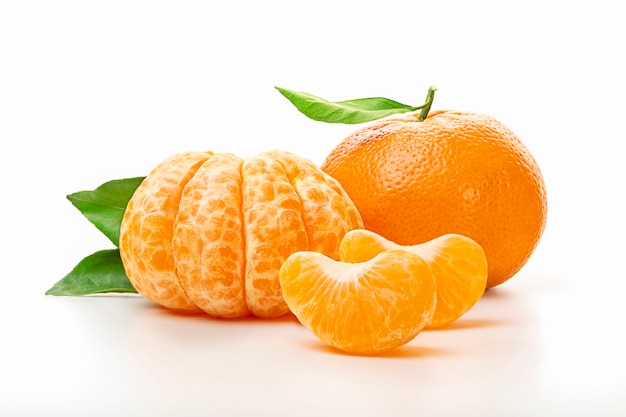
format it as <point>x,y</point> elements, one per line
<point>458,263</point>
<point>146,231</point>
<point>273,230</point>
<point>327,211</point>
<point>208,241</point>
<point>361,308</point>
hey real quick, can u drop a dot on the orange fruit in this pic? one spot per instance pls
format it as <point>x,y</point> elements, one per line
<point>455,172</point>
<point>457,262</point>
<point>360,308</point>
<point>209,232</point>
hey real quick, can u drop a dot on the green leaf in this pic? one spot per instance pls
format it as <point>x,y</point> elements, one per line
<point>105,206</point>
<point>100,272</point>
<point>349,112</point>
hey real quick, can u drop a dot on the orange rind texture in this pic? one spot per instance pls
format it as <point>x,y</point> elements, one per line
<point>454,172</point>
<point>208,232</point>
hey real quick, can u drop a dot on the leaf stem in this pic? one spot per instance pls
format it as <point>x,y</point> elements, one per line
<point>429,102</point>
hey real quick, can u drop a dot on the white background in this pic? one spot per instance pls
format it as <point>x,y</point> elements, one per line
<point>92,91</point>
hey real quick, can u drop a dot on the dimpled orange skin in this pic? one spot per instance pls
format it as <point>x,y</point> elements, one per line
<point>455,172</point>
<point>208,232</point>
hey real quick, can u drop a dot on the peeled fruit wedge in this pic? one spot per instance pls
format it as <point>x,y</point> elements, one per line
<point>458,264</point>
<point>362,308</point>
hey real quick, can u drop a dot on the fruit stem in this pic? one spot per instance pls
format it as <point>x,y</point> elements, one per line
<point>426,106</point>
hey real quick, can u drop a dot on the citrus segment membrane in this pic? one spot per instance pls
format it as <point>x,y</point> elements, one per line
<point>460,267</point>
<point>273,230</point>
<point>208,239</point>
<point>147,230</point>
<point>327,211</point>
<point>458,264</point>
<point>361,308</point>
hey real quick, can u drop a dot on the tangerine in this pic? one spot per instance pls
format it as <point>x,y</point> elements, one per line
<point>454,172</point>
<point>209,232</point>
<point>458,264</point>
<point>361,308</point>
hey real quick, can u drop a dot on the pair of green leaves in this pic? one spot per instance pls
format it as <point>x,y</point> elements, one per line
<point>104,207</point>
<point>102,271</point>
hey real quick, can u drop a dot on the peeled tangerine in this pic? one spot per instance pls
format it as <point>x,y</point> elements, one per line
<point>208,232</point>
<point>458,263</point>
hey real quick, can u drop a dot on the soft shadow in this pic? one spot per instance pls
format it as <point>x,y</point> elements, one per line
<point>289,317</point>
<point>113,295</point>
<point>496,293</point>
<point>464,324</point>
<point>406,351</point>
